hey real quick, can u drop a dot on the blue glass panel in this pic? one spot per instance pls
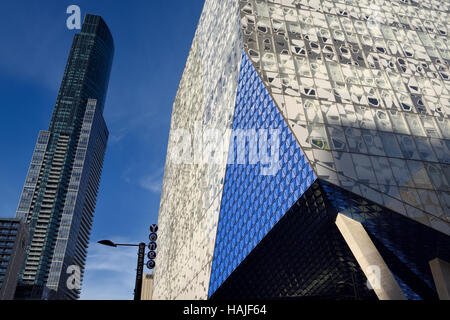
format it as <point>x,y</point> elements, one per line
<point>253,201</point>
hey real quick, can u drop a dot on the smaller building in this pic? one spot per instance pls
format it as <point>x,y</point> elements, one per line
<point>147,287</point>
<point>13,242</point>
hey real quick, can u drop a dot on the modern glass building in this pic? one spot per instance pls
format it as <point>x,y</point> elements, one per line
<point>59,196</point>
<point>309,153</point>
<point>13,241</point>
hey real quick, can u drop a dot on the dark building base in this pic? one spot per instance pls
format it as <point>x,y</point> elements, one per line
<point>305,256</point>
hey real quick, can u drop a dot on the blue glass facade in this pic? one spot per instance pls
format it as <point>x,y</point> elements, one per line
<point>253,203</point>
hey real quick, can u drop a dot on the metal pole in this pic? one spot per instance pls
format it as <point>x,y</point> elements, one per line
<point>139,272</point>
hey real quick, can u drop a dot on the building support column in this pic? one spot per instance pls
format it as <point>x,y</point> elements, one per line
<point>441,275</point>
<point>369,259</point>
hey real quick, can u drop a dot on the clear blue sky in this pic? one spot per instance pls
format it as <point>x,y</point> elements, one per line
<point>152,40</point>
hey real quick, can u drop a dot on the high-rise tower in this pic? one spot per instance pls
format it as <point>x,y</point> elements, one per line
<point>309,152</point>
<point>60,191</point>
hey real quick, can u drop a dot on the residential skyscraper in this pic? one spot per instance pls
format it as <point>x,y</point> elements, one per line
<point>59,196</point>
<point>309,153</point>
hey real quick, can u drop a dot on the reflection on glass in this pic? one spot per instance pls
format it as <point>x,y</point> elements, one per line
<point>390,144</point>
<point>401,173</point>
<point>419,174</point>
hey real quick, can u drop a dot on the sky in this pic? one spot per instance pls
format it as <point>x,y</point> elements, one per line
<point>152,40</point>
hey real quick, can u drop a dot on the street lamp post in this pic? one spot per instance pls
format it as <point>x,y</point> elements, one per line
<point>140,264</point>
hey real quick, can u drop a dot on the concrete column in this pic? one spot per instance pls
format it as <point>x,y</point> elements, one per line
<point>441,275</point>
<point>369,259</point>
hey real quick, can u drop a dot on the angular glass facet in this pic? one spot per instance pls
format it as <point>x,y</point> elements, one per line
<point>253,202</point>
